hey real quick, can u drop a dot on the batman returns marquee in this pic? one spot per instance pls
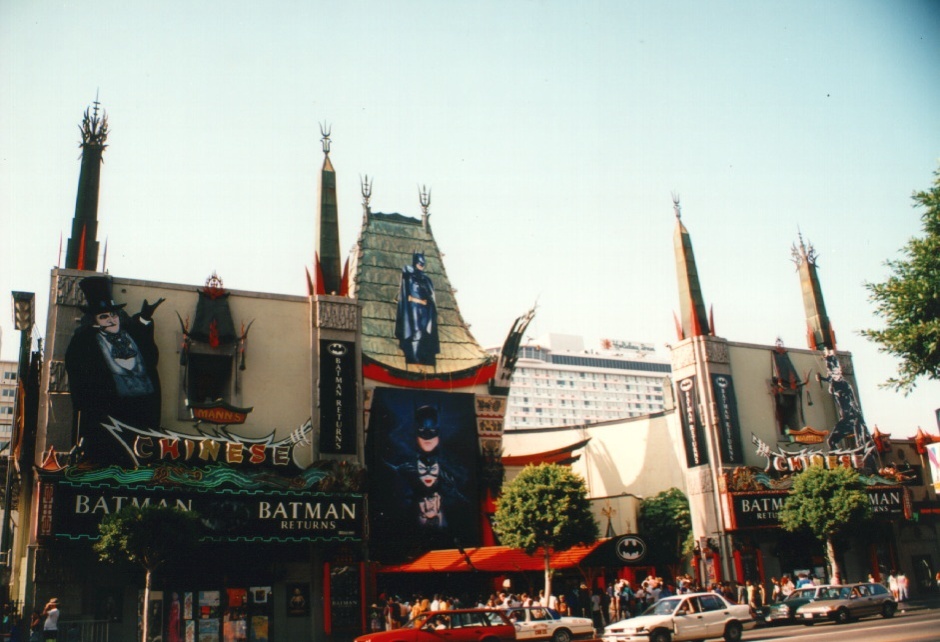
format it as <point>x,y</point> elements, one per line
<point>72,509</point>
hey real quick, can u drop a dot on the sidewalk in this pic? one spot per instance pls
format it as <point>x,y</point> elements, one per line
<point>920,604</point>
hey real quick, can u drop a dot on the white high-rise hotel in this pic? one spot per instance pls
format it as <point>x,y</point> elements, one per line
<point>7,396</point>
<point>558,383</point>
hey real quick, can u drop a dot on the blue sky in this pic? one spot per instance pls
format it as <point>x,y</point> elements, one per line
<point>551,134</point>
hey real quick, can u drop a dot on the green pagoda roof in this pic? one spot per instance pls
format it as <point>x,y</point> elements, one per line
<point>386,244</point>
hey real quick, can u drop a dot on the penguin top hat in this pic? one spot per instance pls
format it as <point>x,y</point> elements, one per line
<point>97,291</point>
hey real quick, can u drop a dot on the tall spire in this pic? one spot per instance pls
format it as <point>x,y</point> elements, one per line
<point>694,321</point>
<point>82,250</point>
<point>819,333</point>
<point>366,187</point>
<point>424,195</point>
<point>329,270</point>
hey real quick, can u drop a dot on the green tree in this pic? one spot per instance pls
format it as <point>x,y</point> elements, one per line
<point>147,536</point>
<point>665,524</point>
<point>826,502</point>
<point>909,300</point>
<point>545,508</point>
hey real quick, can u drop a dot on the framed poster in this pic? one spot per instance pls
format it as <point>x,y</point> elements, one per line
<point>298,600</point>
<point>260,594</point>
<point>424,461</point>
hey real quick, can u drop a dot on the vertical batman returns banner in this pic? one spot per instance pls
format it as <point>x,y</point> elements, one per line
<point>337,397</point>
<point>693,433</point>
<point>729,428</point>
<point>424,465</point>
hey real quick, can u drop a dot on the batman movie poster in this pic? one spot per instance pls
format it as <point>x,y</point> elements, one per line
<point>423,469</point>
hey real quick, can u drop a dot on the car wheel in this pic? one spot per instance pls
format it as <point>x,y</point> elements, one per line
<point>733,632</point>
<point>888,610</point>
<point>660,635</point>
<point>561,635</point>
<point>842,616</point>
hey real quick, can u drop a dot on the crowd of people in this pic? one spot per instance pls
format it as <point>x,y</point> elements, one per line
<point>43,625</point>
<point>620,599</point>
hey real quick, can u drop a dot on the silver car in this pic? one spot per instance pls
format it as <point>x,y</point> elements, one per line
<point>844,603</point>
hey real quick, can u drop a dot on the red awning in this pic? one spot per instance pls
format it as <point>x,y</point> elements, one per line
<point>493,559</point>
<point>563,456</point>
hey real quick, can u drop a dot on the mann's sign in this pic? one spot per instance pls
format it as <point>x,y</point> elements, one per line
<point>762,509</point>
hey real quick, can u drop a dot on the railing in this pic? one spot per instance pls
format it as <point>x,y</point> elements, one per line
<point>11,623</point>
<point>83,630</point>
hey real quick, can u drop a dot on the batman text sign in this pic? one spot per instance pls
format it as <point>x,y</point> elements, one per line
<point>74,511</point>
<point>337,397</point>
<point>693,434</point>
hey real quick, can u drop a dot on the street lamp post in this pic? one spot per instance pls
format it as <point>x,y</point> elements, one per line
<point>23,320</point>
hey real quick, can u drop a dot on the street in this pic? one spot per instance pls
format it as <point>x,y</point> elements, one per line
<point>917,626</point>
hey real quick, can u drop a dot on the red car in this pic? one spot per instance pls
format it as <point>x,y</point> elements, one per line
<point>459,625</point>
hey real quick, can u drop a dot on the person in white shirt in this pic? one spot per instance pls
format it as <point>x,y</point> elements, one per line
<point>50,628</point>
<point>902,587</point>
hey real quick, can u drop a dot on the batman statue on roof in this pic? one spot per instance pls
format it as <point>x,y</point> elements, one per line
<point>416,318</point>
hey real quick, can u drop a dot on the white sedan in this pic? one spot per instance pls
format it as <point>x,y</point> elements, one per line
<point>694,616</point>
<point>539,623</point>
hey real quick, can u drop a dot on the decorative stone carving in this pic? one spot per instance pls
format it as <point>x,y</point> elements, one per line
<point>337,316</point>
<point>699,480</point>
<point>67,291</point>
<point>682,356</point>
<point>58,377</point>
<point>490,406</point>
<point>845,362</point>
<point>490,427</point>
<point>716,351</point>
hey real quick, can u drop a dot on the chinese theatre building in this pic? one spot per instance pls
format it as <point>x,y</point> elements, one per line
<point>751,417</point>
<point>745,419</point>
<point>434,399</point>
<point>304,431</point>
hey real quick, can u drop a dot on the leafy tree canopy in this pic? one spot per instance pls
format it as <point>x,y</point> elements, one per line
<point>147,535</point>
<point>909,300</point>
<point>825,502</point>
<point>665,524</point>
<point>545,506</point>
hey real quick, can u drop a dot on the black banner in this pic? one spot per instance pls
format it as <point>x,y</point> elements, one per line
<point>693,433</point>
<point>729,428</point>
<point>756,510</point>
<point>345,600</point>
<point>75,511</point>
<point>337,397</point>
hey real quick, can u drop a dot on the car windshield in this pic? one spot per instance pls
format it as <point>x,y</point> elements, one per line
<point>494,618</point>
<point>663,607</point>
<point>801,594</point>
<point>831,593</point>
<point>532,614</point>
